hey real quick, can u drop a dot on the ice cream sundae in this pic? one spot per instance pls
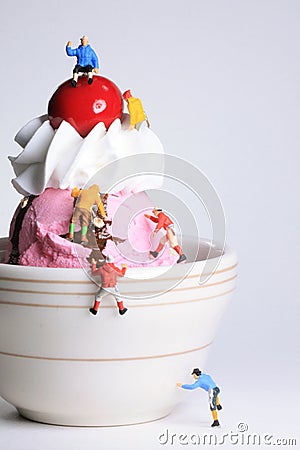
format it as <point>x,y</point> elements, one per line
<point>86,213</point>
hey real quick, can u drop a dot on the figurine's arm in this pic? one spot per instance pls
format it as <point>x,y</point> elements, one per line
<point>190,387</point>
<point>101,208</point>
<point>70,51</point>
<point>95,62</point>
<point>120,272</point>
<point>154,219</point>
<point>96,271</point>
<point>76,192</point>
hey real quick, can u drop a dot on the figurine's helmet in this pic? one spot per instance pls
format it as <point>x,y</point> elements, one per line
<point>127,94</point>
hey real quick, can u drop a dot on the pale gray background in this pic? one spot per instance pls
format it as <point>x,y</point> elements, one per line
<point>220,83</point>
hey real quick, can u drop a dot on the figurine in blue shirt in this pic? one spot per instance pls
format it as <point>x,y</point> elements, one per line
<point>205,382</point>
<point>87,60</point>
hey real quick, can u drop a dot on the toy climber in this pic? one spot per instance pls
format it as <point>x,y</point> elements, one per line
<point>205,382</point>
<point>163,221</point>
<point>86,199</point>
<point>136,111</point>
<point>109,286</point>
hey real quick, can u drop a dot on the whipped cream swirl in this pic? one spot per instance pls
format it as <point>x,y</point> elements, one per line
<point>63,159</point>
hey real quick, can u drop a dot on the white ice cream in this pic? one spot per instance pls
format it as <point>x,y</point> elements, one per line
<point>63,159</point>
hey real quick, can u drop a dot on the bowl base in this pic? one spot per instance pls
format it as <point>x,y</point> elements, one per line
<point>69,421</point>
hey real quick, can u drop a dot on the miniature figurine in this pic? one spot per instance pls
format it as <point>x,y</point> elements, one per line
<point>136,111</point>
<point>85,199</point>
<point>109,273</point>
<point>100,224</point>
<point>163,221</point>
<point>99,227</point>
<point>87,60</point>
<point>205,382</point>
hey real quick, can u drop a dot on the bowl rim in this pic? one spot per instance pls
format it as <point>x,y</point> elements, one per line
<point>226,257</point>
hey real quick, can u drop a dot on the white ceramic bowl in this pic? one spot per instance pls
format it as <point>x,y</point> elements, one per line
<point>61,365</point>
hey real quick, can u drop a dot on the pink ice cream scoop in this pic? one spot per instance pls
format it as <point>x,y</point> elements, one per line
<point>42,235</point>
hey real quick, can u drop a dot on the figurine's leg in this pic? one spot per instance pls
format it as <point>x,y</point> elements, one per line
<point>84,239</point>
<point>213,393</point>
<point>75,79</point>
<point>218,404</point>
<point>138,125</point>
<point>75,76</point>
<point>74,220</point>
<point>216,422</point>
<point>178,250</point>
<point>90,74</point>
<point>76,71</point>
<point>182,256</point>
<point>159,247</point>
<point>71,231</point>
<point>174,244</point>
<point>85,221</point>
<point>122,309</point>
<point>171,237</point>
<point>98,297</point>
<point>115,292</point>
<point>95,308</point>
